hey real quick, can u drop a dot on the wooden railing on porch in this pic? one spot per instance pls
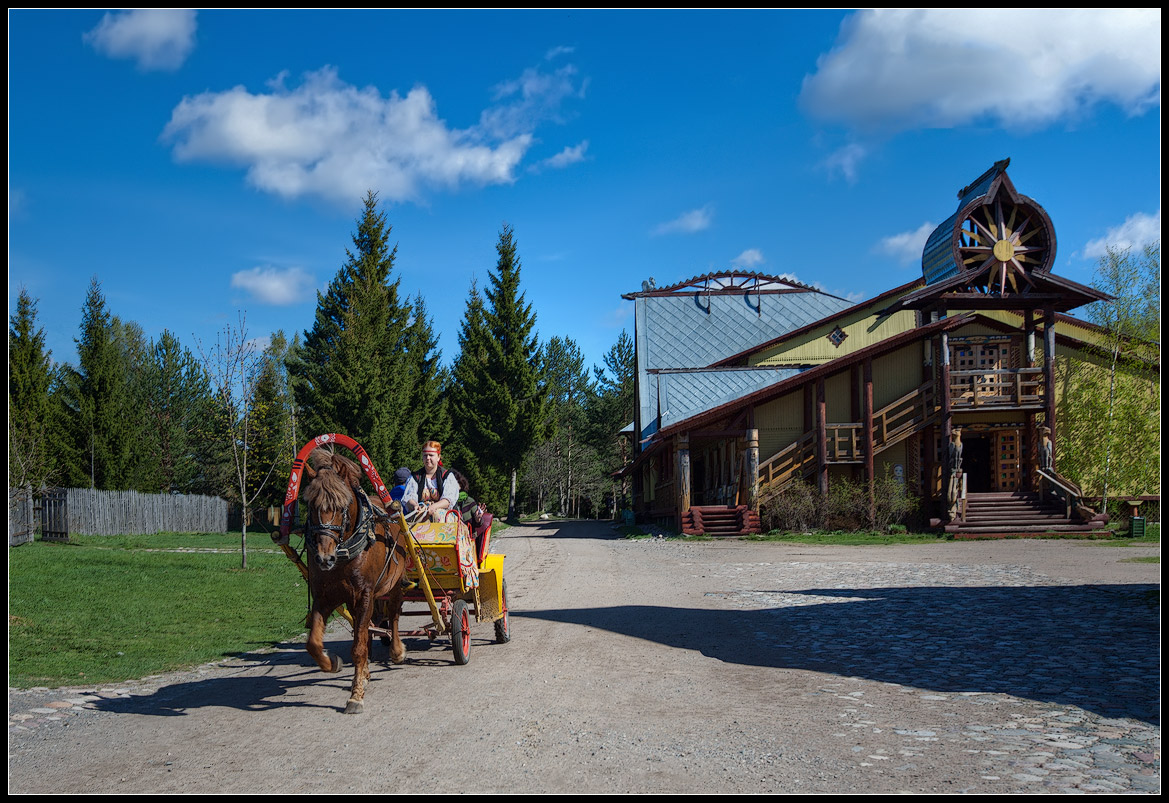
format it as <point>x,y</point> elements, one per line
<point>794,461</point>
<point>1014,387</point>
<point>892,424</point>
<point>903,417</point>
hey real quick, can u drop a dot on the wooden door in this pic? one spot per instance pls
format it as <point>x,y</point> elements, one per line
<point>1008,474</point>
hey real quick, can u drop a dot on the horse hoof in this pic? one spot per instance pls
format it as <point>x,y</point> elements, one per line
<point>337,663</point>
<point>354,707</point>
<point>399,658</point>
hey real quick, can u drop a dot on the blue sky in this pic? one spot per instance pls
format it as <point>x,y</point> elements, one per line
<point>200,164</point>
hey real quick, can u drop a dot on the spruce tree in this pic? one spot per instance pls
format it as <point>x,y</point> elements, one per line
<point>350,375</point>
<point>176,401</point>
<point>30,459</point>
<point>501,415</point>
<point>271,459</point>
<point>474,439</point>
<point>425,416</point>
<point>103,432</point>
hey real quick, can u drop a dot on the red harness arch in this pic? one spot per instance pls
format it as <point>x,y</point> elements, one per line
<point>363,460</point>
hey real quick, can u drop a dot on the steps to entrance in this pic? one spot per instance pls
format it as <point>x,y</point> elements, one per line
<point>991,515</point>
<point>720,520</point>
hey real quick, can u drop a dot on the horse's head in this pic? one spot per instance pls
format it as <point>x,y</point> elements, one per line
<point>332,504</point>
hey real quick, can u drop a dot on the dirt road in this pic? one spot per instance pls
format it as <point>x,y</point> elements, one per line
<point>656,666</point>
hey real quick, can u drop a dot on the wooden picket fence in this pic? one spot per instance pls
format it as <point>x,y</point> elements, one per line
<point>85,511</point>
<point>22,516</point>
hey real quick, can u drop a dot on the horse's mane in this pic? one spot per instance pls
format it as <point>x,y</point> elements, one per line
<point>337,477</point>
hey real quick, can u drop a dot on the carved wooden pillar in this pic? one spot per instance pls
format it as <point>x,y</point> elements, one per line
<point>870,458</point>
<point>822,435</point>
<point>1049,373</point>
<point>683,477</point>
<point>1029,331</point>
<point>947,415</point>
<point>753,469</point>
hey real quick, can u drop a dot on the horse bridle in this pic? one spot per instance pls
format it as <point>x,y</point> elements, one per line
<point>363,535</point>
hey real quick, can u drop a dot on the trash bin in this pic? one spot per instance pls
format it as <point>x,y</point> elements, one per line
<point>1137,527</point>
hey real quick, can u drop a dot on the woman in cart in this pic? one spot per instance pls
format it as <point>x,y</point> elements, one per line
<point>433,489</point>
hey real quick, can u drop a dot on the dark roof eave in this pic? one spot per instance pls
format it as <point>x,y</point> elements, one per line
<point>931,294</point>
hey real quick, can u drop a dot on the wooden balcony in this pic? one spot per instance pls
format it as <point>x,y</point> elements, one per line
<point>1007,389</point>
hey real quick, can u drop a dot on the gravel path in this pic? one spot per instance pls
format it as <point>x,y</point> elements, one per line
<point>658,666</point>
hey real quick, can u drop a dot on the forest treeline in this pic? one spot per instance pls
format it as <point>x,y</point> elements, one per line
<point>530,425</point>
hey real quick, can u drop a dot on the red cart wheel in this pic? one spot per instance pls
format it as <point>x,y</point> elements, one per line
<point>461,632</point>
<point>503,626</point>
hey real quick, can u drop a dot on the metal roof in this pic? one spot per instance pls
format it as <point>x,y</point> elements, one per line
<point>695,330</point>
<point>685,394</point>
<point>699,322</point>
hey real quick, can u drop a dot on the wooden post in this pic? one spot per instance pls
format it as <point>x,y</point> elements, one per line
<point>753,469</point>
<point>683,478</point>
<point>1049,372</point>
<point>1032,462</point>
<point>1029,347</point>
<point>870,458</point>
<point>822,435</point>
<point>947,415</point>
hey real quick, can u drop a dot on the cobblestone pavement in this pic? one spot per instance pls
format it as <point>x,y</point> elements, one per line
<point>945,668</point>
<point>1088,715</point>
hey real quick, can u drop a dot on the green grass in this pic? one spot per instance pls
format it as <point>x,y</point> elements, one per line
<point>106,609</point>
<point>1152,536</point>
<point>1152,559</point>
<point>257,541</point>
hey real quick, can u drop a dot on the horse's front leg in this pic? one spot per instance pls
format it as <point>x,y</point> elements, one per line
<point>316,640</point>
<point>362,613</point>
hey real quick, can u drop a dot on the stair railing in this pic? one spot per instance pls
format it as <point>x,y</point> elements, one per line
<point>1064,489</point>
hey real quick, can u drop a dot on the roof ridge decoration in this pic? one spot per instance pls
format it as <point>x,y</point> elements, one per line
<point>997,237</point>
<point>726,282</point>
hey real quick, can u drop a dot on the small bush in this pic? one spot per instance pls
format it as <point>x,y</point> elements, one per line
<point>800,507</point>
<point>797,507</point>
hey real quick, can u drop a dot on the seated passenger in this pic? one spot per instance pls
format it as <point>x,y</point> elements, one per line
<point>475,516</point>
<point>433,490</point>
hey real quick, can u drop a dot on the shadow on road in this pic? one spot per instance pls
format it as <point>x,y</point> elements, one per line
<point>280,673</point>
<point>1094,646</point>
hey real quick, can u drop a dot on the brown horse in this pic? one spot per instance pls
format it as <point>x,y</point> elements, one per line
<point>356,555</point>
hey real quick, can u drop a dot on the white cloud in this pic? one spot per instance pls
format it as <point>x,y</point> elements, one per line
<point>748,259</point>
<point>687,223</point>
<point>276,286</point>
<point>845,161</point>
<point>907,246</point>
<point>568,156</point>
<point>158,39</point>
<point>333,140</point>
<point>529,100</point>
<point>903,69</point>
<point>559,50</point>
<point>1135,232</point>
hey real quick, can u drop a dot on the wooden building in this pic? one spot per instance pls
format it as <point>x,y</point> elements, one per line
<point>748,382</point>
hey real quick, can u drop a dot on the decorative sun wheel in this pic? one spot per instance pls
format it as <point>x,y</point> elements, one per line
<point>1002,238</point>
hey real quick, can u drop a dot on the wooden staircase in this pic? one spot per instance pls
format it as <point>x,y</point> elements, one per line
<point>720,520</point>
<point>1019,513</point>
<point>844,443</point>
